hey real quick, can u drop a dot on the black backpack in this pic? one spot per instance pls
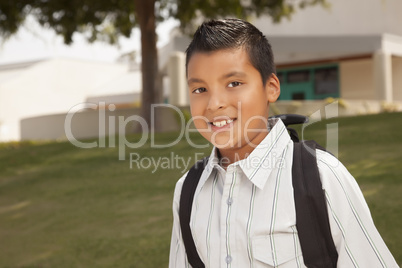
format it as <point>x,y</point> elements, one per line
<point>312,221</point>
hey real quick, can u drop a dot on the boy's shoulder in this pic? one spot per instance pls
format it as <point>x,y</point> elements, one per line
<point>203,163</point>
<point>328,158</point>
<point>334,175</point>
<point>179,184</point>
<point>326,161</point>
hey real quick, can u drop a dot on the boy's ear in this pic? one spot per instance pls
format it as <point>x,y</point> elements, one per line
<point>272,88</point>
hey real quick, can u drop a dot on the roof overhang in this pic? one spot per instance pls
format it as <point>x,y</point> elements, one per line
<point>297,49</point>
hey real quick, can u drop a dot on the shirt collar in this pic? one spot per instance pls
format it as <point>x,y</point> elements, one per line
<point>262,160</point>
<point>265,157</point>
<point>213,162</point>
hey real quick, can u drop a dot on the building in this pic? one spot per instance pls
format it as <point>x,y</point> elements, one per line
<point>351,50</point>
<point>54,86</point>
<point>350,67</point>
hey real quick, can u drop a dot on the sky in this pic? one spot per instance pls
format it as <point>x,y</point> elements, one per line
<point>33,42</point>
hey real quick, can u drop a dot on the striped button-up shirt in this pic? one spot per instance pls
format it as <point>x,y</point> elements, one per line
<point>245,216</point>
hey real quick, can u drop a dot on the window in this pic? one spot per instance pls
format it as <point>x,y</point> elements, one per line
<point>298,96</point>
<point>299,76</point>
<point>326,81</point>
<point>309,82</point>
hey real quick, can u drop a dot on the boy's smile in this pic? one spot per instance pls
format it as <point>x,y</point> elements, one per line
<point>229,102</point>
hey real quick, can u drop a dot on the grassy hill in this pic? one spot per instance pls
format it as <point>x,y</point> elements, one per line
<point>62,206</point>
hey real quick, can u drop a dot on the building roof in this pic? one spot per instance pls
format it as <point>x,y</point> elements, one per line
<point>18,65</point>
<point>307,48</point>
<point>293,49</point>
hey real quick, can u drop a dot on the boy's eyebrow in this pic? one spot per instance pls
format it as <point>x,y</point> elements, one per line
<point>234,73</point>
<point>194,80</point>
<point>230,74</point>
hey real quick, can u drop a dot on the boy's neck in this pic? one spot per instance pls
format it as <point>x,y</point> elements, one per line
<point>231,155</point>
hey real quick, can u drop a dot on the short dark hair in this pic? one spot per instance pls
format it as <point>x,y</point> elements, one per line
<point>216,35</point>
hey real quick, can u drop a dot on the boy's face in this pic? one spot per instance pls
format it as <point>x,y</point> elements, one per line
<point>229,102</point>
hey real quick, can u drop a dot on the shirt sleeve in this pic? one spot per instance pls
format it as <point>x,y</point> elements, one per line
<point>177,257</point>
<point>356,238</point>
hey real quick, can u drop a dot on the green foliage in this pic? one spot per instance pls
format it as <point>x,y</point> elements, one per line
<point>62,206</point>
<point>188,12</point>
<point>12,14</point>
<point>107,20</point>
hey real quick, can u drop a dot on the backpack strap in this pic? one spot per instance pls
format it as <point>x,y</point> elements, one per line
<point>312,221</point>
<point>186,202</point>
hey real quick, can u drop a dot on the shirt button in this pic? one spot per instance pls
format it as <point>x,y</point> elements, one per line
<point>229,201</point>
<point>228,259</point>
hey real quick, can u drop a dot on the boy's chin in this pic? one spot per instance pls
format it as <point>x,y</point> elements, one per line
<point>223,146</point>
<point>223,143</point>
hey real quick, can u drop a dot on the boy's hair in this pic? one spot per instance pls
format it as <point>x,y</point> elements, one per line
<point>223,34</point>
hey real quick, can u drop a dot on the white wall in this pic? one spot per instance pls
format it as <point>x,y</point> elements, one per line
<point>397,78</point>
<point>356,79</point>
<point>49,87</point>
<point>96,123</point>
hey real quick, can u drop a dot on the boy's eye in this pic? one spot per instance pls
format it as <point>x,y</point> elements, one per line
<point>199,90</point>
<point>234,84</point>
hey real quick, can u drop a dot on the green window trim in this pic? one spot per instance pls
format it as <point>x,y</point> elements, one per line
<point>304,85</point>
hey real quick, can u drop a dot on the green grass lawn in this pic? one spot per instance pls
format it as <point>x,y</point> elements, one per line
<point>62,206</point>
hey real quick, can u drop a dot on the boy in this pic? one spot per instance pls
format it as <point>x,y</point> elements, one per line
<point>243,212</point>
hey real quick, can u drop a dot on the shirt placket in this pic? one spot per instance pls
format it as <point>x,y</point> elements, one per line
<point>228,219</point>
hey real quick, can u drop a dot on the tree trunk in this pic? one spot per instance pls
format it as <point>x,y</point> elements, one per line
<point>149,63</point>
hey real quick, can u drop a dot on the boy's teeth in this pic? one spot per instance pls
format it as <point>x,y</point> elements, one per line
<point>222,123</point>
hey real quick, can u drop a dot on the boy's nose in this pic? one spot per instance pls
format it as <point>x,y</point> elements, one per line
<point>217,101</point>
